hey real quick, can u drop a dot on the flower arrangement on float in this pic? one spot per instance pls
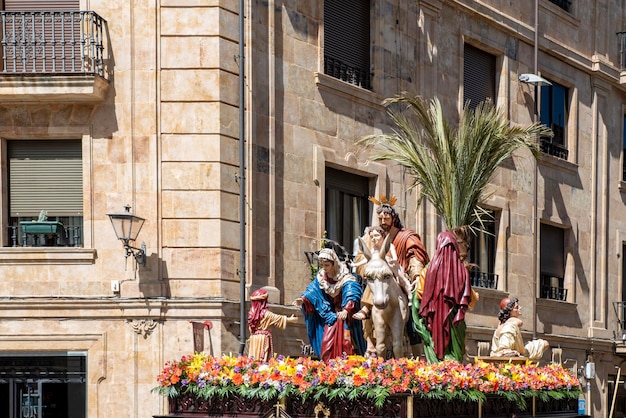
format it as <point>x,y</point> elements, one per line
<point>353,377</point>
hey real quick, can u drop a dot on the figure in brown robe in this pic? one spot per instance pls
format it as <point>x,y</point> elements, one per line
<point>260,320</point>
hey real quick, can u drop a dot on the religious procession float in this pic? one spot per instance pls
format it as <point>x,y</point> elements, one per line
<point>353,378</point>
<point>356,386</point>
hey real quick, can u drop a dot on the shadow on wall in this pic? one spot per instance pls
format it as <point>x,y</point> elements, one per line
<point>150,285</point>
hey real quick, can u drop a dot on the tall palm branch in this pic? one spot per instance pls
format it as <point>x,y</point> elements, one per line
<point>452,167</point>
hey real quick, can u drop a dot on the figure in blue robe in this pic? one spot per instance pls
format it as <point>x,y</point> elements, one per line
<point>328,304</point>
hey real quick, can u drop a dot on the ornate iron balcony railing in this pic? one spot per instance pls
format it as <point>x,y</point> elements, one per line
<point>554,149</point>
<point>338,69</point>
<point>482,279</point>
<point>52,42</point>
<point>68,236</point>
<point>552,292</point>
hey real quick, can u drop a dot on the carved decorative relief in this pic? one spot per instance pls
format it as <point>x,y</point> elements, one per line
<point>143,327</point>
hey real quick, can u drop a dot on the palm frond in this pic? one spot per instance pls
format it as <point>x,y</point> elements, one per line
<point>450,167</point>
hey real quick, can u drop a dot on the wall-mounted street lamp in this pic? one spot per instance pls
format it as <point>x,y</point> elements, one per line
<point>127,227</point>
<point>535,79</point>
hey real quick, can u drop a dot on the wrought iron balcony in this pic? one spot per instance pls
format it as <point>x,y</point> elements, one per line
<point>552,292</point>
<point>484,280</point>
<point>554,149</point>
<point>53,56</point>
<point>338,69</point>
<point>52,42</point>
<point>44,234</point>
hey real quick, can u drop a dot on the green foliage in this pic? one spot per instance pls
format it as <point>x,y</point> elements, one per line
<point>355,378</point>
<point>220,391</point>
<point>452,167</point>
<point>516,397</point>
<point>265,394</point>
<point>166,391</point>
<point>313,266</point>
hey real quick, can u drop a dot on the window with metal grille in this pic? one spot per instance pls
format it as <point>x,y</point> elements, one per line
<point>554,114</point>
<point>479,76</point>
<point>482,255</point>
<point>552,263</point>
<point>347,41</point>
<point>45,183</point>
<point>43,385</point>
<point>347,207</point>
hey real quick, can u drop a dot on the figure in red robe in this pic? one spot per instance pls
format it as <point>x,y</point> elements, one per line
<point>446,296</point>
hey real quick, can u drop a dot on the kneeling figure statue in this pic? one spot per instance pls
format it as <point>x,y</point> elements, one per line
<point>507,339</point>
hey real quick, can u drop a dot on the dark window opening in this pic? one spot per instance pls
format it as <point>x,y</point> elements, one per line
<point>552,262</point>
<point>563,4</point>
<point>618,400</point>
<point>482,255</point>
<point>347,41</point>
<point>554,115</point>
<point>45,386</point>
<point>620,306</point>
<point>622,50</point>
<point>479,76</point>
<point>624,149</point>
<point>347,207</point>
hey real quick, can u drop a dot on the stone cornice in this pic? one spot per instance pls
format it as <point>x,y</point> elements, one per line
<point>53,88</point>
<point>114,308</point>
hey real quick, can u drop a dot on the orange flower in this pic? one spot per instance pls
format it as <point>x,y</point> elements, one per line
<point>237,379</point>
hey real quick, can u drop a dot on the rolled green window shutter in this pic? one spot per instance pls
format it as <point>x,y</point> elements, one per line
<point>45,175</point>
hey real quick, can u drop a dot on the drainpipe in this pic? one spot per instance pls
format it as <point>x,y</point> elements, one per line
<point>242,184</point>
<point>536,175</point>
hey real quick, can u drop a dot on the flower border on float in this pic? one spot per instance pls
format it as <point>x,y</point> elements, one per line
<point>353,377</point>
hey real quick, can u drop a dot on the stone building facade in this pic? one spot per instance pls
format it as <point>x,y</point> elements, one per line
<point>154,117</point>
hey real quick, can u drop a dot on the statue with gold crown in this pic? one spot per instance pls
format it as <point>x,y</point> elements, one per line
<point>411,257</point>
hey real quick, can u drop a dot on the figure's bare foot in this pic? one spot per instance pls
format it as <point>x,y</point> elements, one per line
<point>362,314</point>
<point>359,315</point>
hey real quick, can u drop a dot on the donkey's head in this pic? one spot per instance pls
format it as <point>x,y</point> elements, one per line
<point>377,273</point>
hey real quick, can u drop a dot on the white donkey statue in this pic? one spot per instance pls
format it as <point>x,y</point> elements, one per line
<point>390,310</point>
